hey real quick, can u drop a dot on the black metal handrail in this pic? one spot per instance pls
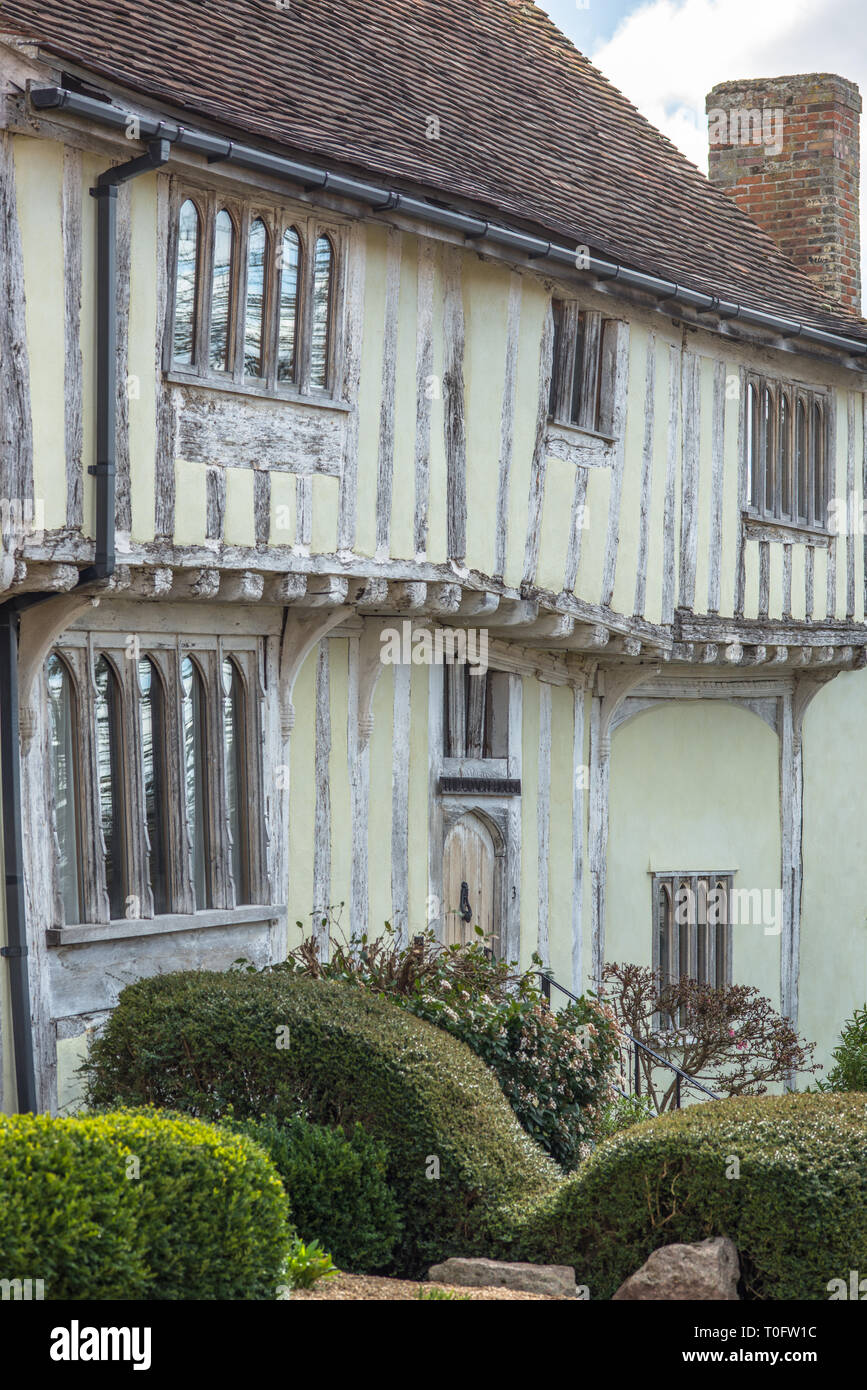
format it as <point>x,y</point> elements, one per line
<point>681,1077</point>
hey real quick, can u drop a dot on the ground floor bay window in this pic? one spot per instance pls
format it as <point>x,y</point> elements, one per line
<point>156,778</point>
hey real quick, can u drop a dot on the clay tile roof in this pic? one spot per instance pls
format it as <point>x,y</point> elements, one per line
<point>529,130</point>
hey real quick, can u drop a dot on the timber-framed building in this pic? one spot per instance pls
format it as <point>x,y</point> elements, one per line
<point>337,321</point>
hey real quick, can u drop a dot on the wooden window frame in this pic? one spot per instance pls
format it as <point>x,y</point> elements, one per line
<point>80,660</point>
<point>465,710</point>
<point>770,453</point>
<point>585,330</point>
<point>718,964</point>
<point>309,228</point>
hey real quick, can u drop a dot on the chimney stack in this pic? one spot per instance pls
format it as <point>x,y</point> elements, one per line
<point>786,150</point>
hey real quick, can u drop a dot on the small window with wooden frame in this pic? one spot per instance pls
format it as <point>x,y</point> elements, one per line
<point>786,440</point>
<point>254,298</point>
<point>692,929</point>
<point>582,368</point>
<point>476,721</point>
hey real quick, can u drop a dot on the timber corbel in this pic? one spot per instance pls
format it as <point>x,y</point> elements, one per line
<point>300,636</point>
<point>40,628</point>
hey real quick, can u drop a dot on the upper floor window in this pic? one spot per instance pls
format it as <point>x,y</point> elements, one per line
<point>787,471</point>
<point>187,282</point>
<point>222,277</point>
<point>254,298</point>
<point>287,337</point>
<point>582,368</point>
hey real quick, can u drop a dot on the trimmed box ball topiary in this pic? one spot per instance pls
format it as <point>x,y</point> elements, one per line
<point>212,1043</point>
<point>784,1176</point>
<point>210,1205</point>
<point>134,1205</point>
<point>68,1215</point>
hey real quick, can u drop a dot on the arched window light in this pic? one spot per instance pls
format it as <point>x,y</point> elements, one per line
<point>766,434</point>
<point>323,260</point>
<point>803,490</point>
<point>153,736</point>
<point>235,752</point>
<point>109,757</point>
<point>785,456</point>
<point>288,326</point>
<point>752,423</point>
<point>64,768</point>
<point>186,283</point>
<point>196,780</point>
<point>254,319</point>
<point>221,291</point>
<point>818,443</point>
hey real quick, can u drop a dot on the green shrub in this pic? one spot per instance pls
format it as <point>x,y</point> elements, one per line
<point>68,1216</point>
<point>849,1072</point>
<point>135,1205</point>
<point>210,1206</point>
<point>337,1188</point>
<point>797,1211</point>
<point>307,1264</point>
<point>623,1113</point>
<point>269,1044</point>
<point>555,1068</point>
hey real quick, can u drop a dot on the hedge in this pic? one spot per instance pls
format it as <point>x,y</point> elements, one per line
<point>337,1188</point>
<point>797,1211</point>
<point>138,1206</point>
<point>207,1042</point>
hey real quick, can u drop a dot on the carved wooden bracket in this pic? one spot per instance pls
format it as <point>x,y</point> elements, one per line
<point>614,685</point>
<point>369,669</point>
<point>806,686</point>
<point>40,628</point>
<point>301,633</point>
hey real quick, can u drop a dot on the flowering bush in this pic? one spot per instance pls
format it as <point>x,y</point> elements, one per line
<point>556,1069</point>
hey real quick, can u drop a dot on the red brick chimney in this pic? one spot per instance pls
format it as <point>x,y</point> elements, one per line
<point>786,150</point>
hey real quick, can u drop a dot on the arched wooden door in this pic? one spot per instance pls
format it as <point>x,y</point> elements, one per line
<point>469,857</point>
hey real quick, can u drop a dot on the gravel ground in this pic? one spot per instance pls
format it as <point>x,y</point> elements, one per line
<point>373,1287</point>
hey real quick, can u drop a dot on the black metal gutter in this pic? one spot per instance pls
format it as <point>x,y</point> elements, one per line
<point>220,149</point>
<point>104,470</point>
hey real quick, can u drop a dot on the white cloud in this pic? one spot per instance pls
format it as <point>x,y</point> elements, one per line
<point>668,54</point>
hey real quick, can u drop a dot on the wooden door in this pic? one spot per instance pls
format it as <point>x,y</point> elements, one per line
<point>468,858</point>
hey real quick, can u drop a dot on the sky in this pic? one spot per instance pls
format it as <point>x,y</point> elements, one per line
<point>665,55</point>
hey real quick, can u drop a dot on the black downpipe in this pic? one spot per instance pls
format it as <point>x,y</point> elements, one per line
<point>104,470</point>
<point>15,950</point>
<point>13,863</point>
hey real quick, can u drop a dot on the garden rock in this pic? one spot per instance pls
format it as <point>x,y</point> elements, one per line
<point>557,1281</point>
<point>709,1270</point>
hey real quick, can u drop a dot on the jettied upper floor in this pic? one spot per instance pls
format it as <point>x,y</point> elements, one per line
<point>329,390</point>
